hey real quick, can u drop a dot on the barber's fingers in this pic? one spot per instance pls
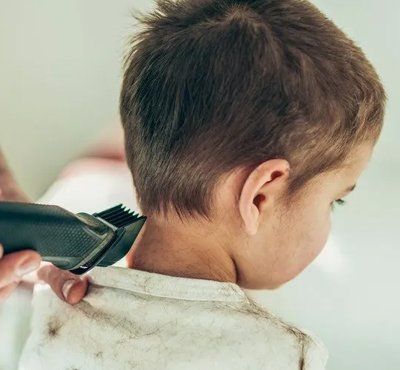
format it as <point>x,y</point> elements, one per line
<point>68,287</point>
<point>14,266</point>
<point>6,291</point>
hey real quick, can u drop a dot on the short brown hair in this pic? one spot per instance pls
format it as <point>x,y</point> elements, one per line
<point>213,85</point>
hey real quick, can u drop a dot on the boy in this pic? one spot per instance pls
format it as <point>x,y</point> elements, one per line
<point>245,122</point>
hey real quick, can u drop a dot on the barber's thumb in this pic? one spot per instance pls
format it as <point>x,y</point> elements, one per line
<point>68,287</point>
<point>74,290</point>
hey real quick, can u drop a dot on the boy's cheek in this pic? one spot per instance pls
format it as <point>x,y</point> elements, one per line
<point>288,247</point>
<point>320,237</point>
<point>311,240</point>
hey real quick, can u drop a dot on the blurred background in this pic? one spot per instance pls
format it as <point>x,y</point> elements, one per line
<point>60,72</point>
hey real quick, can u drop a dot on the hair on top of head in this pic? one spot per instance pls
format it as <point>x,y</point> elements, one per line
<point>213,85</point>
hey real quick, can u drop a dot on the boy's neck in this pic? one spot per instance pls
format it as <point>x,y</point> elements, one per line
<point>167,249</point>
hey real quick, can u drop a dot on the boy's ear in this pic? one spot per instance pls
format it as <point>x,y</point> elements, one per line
<point>262,186</point>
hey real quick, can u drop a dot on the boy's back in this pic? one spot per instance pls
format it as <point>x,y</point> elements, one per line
<point>135,319</point>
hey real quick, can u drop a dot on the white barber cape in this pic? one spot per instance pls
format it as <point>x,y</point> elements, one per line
<point>139,320</point>
<point>133,319</point>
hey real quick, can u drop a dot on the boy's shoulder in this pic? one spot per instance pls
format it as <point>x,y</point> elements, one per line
<point>312,352</point>
<point>166,324</point>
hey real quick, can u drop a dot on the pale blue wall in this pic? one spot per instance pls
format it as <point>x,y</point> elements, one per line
<point>60,73</point>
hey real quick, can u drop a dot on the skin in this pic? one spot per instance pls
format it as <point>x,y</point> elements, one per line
<point>25,267</point>
<point>255,240</point>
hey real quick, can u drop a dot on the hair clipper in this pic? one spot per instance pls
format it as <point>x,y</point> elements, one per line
<point>74,242</point>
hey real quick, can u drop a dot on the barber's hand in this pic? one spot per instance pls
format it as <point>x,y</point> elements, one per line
<point>13,267</point>
<point>68,287</point>
<point>26,267</point>
<point>16,267</point>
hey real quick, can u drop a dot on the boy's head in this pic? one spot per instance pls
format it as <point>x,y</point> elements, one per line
<point>254,116</point>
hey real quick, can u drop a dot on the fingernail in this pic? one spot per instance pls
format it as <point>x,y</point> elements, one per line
<point>27,267</point>
<point>67,287</point>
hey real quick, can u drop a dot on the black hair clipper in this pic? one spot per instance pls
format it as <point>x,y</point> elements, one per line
<point>74,242</point>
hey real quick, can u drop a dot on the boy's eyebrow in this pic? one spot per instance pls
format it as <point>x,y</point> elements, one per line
<point>350,188</point>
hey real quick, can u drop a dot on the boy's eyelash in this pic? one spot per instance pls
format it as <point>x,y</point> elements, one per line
<point>337,201</point>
